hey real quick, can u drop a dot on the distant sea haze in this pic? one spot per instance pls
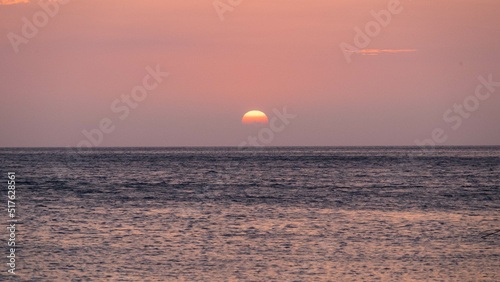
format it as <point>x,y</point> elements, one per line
<point>267,214</point>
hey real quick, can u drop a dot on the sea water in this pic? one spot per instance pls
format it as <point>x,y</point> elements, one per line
<point>267,214</point>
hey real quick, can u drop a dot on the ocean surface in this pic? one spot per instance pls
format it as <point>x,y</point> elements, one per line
<point>269,214</point>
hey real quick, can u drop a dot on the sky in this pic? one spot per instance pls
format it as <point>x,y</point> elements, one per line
<point>326,73</point>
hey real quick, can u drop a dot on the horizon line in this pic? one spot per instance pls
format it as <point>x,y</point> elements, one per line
<point>257,147</point>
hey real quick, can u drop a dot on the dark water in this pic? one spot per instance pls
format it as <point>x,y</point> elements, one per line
<point>275,214</point>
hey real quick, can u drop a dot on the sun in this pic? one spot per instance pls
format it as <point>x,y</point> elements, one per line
<point>254,117</point>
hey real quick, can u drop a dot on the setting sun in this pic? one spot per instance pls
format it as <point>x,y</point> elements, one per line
<point>254,117</point>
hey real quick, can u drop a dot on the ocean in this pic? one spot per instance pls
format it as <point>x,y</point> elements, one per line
<point>265,214</point>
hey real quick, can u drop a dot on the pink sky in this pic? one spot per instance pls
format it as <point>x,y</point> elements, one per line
<point>264,55</point>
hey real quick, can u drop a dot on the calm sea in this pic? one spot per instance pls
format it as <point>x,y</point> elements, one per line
<point>274,214</point>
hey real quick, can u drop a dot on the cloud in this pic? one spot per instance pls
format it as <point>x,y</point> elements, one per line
<point>374,52</point>
<point>10,2</point>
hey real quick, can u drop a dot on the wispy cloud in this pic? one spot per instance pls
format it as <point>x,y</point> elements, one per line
<point>10,2</point>
<point>374,52</point>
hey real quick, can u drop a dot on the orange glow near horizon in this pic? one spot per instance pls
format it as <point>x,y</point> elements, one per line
<point>254,117</point>
<point>11,2</point>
